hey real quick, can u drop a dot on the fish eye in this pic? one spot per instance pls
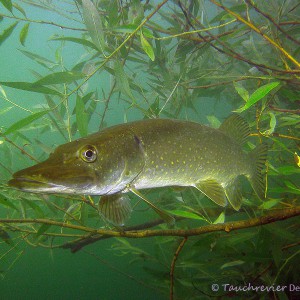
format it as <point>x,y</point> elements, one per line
<point>88,154</point>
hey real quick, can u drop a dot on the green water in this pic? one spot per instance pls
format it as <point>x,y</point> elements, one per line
<point>203,76</point>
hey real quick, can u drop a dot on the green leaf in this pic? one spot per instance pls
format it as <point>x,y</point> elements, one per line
<point>130,28</point>
<point>113,13</point>
<point>24,122</point>
<point>213,121</point>
<point>28,86</point>
<point>5,237</point>
<point>241,90</point>
<point>220,219</point>
<point>269,203</point>
<point>24,33</point>
<point>81,117</point>
<point>5,202</point>
<point>185,214</point>
<point>122,80</point>
<point>93,24</point>
<point>292,188</point>
<point>76,40</point>
<point>7,4</point>
<point>147,47</point>
<point>5,110</point>
<point>39,59</point>
<point>258,95</point>
<point>288,170</point>
<point>43,228</point>
<point>20,9</point>
<point>38,211</point>
<point>7,32</point>
<point>232,264</point>
<point>273,123</point>
<point>59,78</point>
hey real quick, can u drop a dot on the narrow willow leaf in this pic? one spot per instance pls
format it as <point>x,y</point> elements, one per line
<point>5,236</point>
<point>7,4</point>
<point>292,188</point>
<point>220,219</point>
<point>81,117</point>
<point>37,210</point>
<point>59,78</point>
<point>43,228</point>
<point>93,24</point>
<point>232,264</point>
<point>7,32</point>
<point>147,48</point>
<point>113,13</point>
<point>213,121</point>
<point>20,9</point>
<point>259,94</point>
<point>269,203</point>
<point>5,110</point>
<point>241,90</point>
<point>185,214</point>
<point>130,28</point>
<point>28,86</point>
<point>5,202</point>
<point>24,122</point>
<point>76,40</point>
<point>39,59</point>
<point>122,80</point>
<point>24,33</point>
<point>273,123</point>
<point>288,170</point>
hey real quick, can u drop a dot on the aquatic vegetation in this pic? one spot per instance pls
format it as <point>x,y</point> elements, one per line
<point>112,62</point>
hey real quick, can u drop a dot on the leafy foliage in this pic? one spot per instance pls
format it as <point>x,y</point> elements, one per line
<point>196,60</point>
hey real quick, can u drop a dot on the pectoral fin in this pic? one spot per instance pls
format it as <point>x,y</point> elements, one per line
<point>213,190</point>
<point>115,208</point>
<point>164,215</point>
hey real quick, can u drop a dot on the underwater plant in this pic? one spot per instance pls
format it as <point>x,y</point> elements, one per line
<point>72,68</point>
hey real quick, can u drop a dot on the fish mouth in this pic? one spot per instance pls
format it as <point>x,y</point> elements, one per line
<point>31,185</point>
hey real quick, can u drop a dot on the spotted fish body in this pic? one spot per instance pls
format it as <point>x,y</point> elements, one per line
<point>148,154</point>
<point>179,153</point>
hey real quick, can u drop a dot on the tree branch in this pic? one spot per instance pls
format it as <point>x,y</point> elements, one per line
<point>274,216</point>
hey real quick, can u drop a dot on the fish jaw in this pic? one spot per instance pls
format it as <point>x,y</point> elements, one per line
<point>47,178</point>
<point>35,186</point>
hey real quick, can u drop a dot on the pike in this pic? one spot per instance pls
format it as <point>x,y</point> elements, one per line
<point>149,154</point>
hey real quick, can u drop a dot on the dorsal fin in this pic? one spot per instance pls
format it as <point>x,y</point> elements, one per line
<point>236,127</point>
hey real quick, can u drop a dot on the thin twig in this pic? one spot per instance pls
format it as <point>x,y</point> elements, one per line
<point>292,111</point>
<point>230,52</point>
<point>173,266</point>
<point>42,22</point>
<point>21,149</point>
<point>249,2</point>
<point>257,30</point>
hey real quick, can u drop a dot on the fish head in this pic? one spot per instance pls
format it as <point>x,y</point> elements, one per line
<point>102,163</point>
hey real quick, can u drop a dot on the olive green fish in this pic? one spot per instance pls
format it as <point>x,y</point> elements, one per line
<point>148,154</point>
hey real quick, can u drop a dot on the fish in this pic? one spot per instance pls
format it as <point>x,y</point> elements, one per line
<point>148,154</point>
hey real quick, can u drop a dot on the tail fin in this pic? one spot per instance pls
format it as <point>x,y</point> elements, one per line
<point>257,180</point>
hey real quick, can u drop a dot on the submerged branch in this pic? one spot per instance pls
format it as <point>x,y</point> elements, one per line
<point>275,216</point>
